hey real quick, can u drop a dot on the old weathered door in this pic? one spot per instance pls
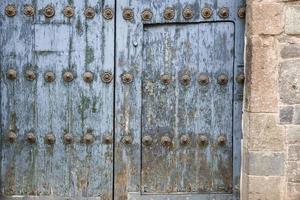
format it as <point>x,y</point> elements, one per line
<point>121,99</point>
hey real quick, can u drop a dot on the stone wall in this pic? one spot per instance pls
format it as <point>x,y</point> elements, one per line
<point>271,119</point>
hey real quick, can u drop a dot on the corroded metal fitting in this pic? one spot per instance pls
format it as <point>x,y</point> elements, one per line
<point>203,140</point>
<point>50,139</point>
<point>11,136</point>
<point>69,11</point>
<point>223,12</point>
<point>222,79</point>
<point>169,13</point>
<point>127,140</point>
<point>88,77</point>
<point>128,14</point>
<point>221,140</point>
<point>165,79</point>
<point>185,140</point>
<point>188,13</point>
<point>206,12</point>
<point>11,74</point>
<point>29,10</point>
<point>203,79</point>
<point>147,140</point>
<point>49,11</point>
<point>106,77</point>
<point>10,10</point>
<point>185,80</point>
<point>88,138</point>
<point>107,139</point>
<point>242,12</point>
<point>89,12</point>
<point>127,78</point>
<point>108,13</point>
<point>240,78</point>
<point>147,15</point>
<point>49,76</point>
<point>68,138</point>
<point>31,138</point>
<point>68,76</point>
<point>166,141</point>
<point>30,75</point>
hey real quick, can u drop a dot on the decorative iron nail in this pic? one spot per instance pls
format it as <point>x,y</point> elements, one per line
<point>69,11</point>
<point>203,79</point>
<point>68,76</point>
<point>89,12</point>
<point>127,140</point>
<point>166,141</point>
<point>185,79</point>
<point>188,13</point>
<point>240,78</point>
<point>147,140</point>
<point>29,10</point>
<point>11,74</point>
<point>11,136</point>
<point>222,79</point>
<point>107,139</point>
<point>108,13</point>
<point>165,79</point>
<point>223,12</point>
<point>68,138</point>
<point>127,78</point>
<point>169,13</point>
<point>184,140</point>
<point>31,138</point>
<point>242,12</point>
<point>128,14</point>
<point>106,77</point>
<point>88,138</point>
<point>10,10</point>
<point>147,15</point>
<point>50,139</point>
<point>206,12</point>
<point>49,77</point>
<point>49,11</point>
<point>30,75</point>
<point>221,140</point>
<point>203,140</point>
<point>88,77</point>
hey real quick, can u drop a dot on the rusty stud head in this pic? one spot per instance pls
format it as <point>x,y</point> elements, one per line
<point>127,78</point>
<point>30,137</point>
<point>240,78</point>
<point>29,10</point>
<point>69,11</point>
<point>128,14</point>
<point>166,141</point>
<point>188,13</point>
<point>222,79</point>
<point>106,77</point>
<point>10,10</point>
<point>49,11</point>
<point>203,79</point>
<point>107,139</point>
<point>30,75</point>
<point>165,79</point>
<point>223,12</point>
<point>185,140</point>
<point>202,140</point>
<point>169,13</point>
<point>49,76</point>
<point>68,138</point>
<point>108,13</point>
<point>11,136</point>
<point>221,140</point>
<point>185,79</point>
<point>147,140</point>
<point>127,140</point>
<point>88,77</point>
<point>206,12</point>
<point>88,138</point>
<point>68,76</point>
<point>242,12</point>
<point>11,74</point>
<point>89,12</point>
<point>147,15</point>
<point>49,139</point>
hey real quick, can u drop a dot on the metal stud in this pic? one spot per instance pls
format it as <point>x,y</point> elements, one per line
<point>185,140</point>
<point>185,79</point>
<point>88,77</point>
<point>165,79</point>
<point>10,10</point>
<point>108,13</point>
<point>49,11</point>
<point>50,139</point>
<point>11,74</point>
<point>147,15</point>
<point>30,75</point>
<point>89,12</point>
<point>240,78</point>
<point>68,76</point>
<point>188,13</point>
<point>166,141</point>
<point>29,10</point>
<point>68,138</point>
<point>203,79</point>
<point>11,136</point>
<point>106,77</point>
<point>169,13</point>
<point>88,138</point>
<point>127,140</point>
<point>202,140</point>
<point>49,76</point>
<point>31,138</point>
<point>221,140</point>
<point>206,12</point>
<point>147,140</point>
<point>223,12</point>
<point>69,11</point>
<point>222,79</point>
<point>128,14</point>
<point>107,139</point>
<point>127,78</point>
<point>242,12</point>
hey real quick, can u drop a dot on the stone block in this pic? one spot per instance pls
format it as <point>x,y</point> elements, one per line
<point>292,18</point>
<point>293,134</point>
<point>293,171</point>
<point>293,191</point>
<point>286,114</point>
<point>293,153</point>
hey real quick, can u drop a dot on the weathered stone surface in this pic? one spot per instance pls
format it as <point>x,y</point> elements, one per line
<point>294,153</point>
<point>293,191</point>
<point>290,51</point>
<point>289,82</point>
<point>292,18</point>
<point>296,117</point>
<point>293,134</point>
<point>293,171</point>
<point>286,114</point>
